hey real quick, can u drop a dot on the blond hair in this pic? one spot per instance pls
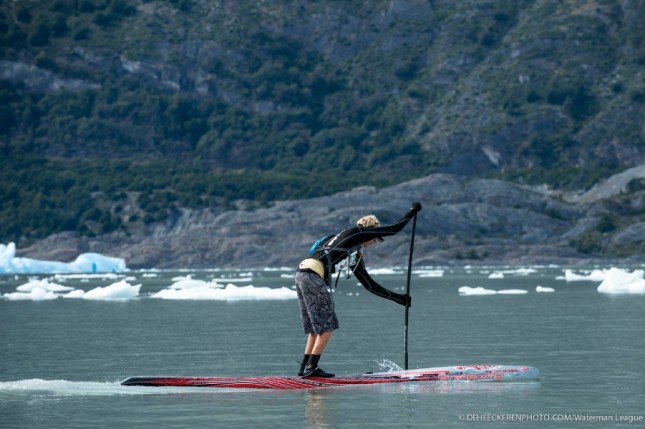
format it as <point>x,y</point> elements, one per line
<point>369,221</point>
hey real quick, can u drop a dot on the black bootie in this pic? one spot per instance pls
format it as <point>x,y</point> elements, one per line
<point>303,365</point>
<point>312,370</point>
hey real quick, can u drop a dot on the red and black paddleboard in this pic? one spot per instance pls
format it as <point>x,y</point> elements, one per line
<point>485,373</point>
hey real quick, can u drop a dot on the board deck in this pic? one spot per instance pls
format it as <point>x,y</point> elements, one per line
<point>481,373</point>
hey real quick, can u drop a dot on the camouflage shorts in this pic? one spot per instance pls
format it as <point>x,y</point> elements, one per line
<point>316,306</point>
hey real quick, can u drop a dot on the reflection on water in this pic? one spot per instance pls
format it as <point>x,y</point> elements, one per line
<point>463,387</point>
<point>315,409</point>
<point>319,413</point>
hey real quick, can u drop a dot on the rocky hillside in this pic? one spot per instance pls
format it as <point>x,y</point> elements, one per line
<point>121,117</point>
<point>464,221</point>
<point>510,85</point>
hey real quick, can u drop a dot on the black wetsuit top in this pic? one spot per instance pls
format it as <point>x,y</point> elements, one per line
<point>350,240</point>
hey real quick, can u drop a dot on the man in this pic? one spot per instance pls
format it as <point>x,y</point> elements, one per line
<point>314,276</point>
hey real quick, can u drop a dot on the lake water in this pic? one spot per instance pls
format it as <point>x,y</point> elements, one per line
<point>62,359</point>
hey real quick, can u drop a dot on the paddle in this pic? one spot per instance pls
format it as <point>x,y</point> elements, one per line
<point>407,292</point>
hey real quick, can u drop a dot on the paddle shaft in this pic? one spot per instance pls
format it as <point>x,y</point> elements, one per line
<point>407,292</point>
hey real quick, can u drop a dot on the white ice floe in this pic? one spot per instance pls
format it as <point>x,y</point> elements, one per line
<point>596,275</point>
<point>230,292</point>
<point>613,280</point>
<point>618,281</point>
<point>119,291</point>
<point>187,288</point>
<point>43,284</point>
<point>544,289</point>
<point>512,292</point>
<point>500,272</point>
<point>76,293</point>
<point>429,273</point>
<point>40,290</point>
<point>521,271</point>
<point>187,282</point>
<point>84,263</point>
<point>467,290</point>
<point>385,271</point>
<point>235,279</point>
<point>36,294</point>
<point>37,290</point>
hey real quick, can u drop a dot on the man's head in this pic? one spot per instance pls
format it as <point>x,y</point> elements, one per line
<point>369,221</point>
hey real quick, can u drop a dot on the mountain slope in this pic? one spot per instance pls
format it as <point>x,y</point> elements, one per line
<point>118,113</point>
<point>463,221</point>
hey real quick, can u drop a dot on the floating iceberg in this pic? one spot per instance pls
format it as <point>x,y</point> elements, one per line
<point>512,292</point>
<point>84,263</point>
<point>119,291</point>
<point>594,276</point>
<point>189,288</point>
<point>385,271</point>
<point>621,281</point>
<point>469,291</point>
<point>430,273</point>
<point>42,290</point>
<point>36,294</point>
<point>613,280</point>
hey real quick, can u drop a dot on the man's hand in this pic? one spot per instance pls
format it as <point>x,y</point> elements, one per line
<point>416,206</point>
<point>408,301</point>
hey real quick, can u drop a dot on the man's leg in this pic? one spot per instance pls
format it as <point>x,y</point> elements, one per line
<point>315,346</point>
<point>319,314</point>
<point>321,342</point>
<point>319,345</point>
<point>311,341</point>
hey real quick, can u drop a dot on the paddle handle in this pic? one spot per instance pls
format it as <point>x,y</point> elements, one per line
<point>407,292</point>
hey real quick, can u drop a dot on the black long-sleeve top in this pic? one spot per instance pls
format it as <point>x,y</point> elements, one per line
<point>350,240</point>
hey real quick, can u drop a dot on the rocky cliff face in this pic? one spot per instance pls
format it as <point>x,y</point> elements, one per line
<point>464,221</point>
<point>191,96</point>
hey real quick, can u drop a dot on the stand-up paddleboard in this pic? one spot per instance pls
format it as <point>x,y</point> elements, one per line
<point>489,373</point>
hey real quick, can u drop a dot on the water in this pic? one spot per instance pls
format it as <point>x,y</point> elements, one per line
<point>61,361</point>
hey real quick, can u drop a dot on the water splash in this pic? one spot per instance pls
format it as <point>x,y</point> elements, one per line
<point>58,388</point>
<point>388,366</point>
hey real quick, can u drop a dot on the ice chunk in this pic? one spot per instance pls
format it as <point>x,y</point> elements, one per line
<point>594,276</point>
<point>467,290</point>
<point>213,291</point>
<point>43,284</point>
<point>37,290</point>
<point>35,294</point>
<point>115,292</point>
<point>84,263</point>
<point>621,281</point>
<point>430,273</point>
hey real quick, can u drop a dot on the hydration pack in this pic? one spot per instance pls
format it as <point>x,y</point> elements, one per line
<point>320,246</point>
<point>320,243</point>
